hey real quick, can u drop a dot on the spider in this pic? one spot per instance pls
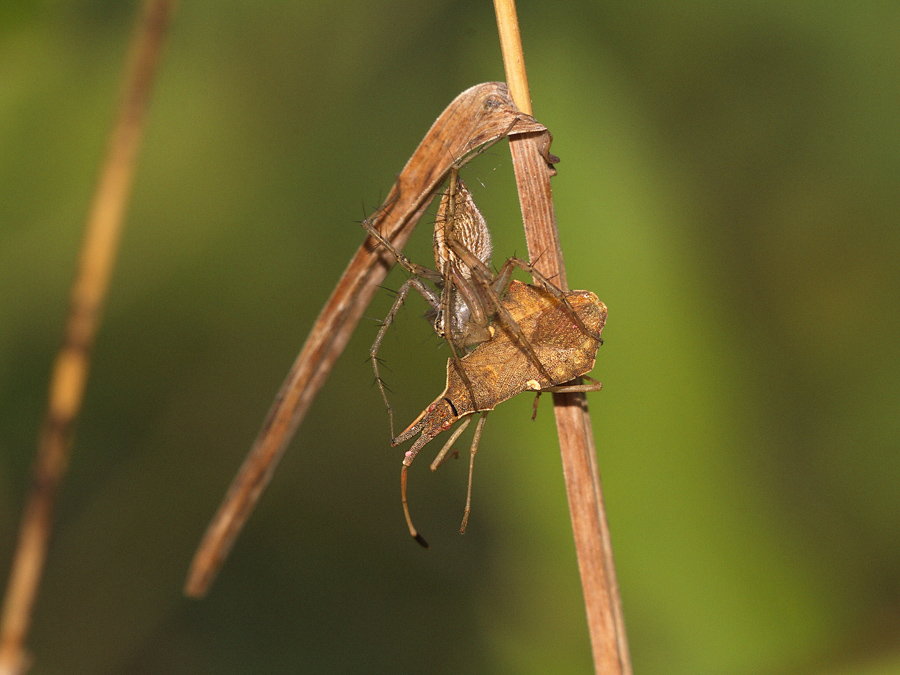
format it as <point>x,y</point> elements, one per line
<point>468,296</point>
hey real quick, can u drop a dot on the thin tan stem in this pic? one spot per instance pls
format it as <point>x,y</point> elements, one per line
<point>513,55</point>
<point>531,161</point>
<point>70,371</point>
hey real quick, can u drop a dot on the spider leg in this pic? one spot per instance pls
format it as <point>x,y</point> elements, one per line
<point>431,298</point>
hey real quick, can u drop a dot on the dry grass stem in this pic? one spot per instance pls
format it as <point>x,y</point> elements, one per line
<point>476,118</point>
<point>70,371</point>
<point>513,55</point>
<point>590,529</point>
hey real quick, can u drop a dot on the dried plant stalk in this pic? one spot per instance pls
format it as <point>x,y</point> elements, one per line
<point>70,371</point>
<point>476,118</point>
<point>576,439</point>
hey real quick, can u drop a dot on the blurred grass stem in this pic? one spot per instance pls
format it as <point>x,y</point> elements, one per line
<point>576,438</point>
<point>70,371</point>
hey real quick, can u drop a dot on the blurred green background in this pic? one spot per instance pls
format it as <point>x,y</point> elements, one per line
<point>728,186</point>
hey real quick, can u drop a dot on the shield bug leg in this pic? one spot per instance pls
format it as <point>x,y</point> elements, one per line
<point>476,439</point>
<point>442,455</point>
<point>566,389</point>
<point>576,388</point>
<point>534,406</point>
<point>439,459</point>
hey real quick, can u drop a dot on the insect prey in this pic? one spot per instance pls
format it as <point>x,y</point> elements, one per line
<point>500,369</point>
